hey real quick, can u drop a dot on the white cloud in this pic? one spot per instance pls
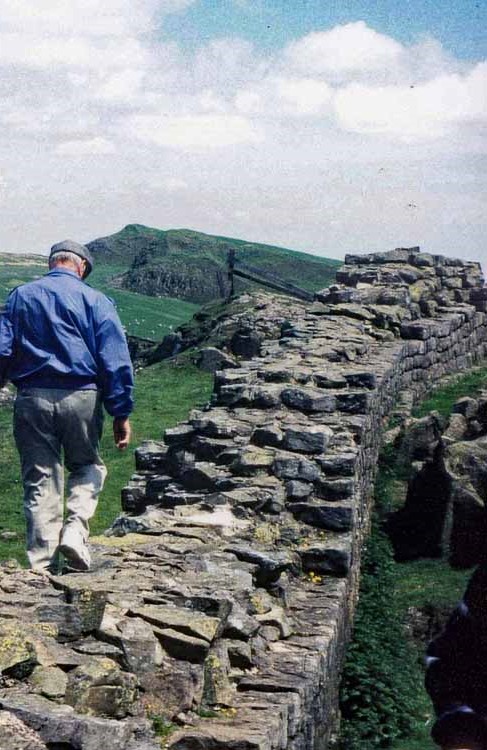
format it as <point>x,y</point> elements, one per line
<point>86,147</point>
<point>70,18</point>
<point>77,52</point>
<point>228,135</point>
<point>194,131</point>
<point>304,96</point>
<point>429,110</point>
<point>344,49</point>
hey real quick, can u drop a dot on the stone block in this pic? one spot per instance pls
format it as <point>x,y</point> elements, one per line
<point>307,439</point>
<point>180,435</point>
<point>252,460</point>
<point>239,654</point>
<point>308,400</point>
<point>181,646</point>
<point>212,359</point>
<point>332,516</point>
<point>333,557</point>
<point>187,621</point>
<point>99,687</point>
<point>289,466</point>
<point>268,435</point>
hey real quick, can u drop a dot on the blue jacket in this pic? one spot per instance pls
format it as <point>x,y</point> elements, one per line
<point>57,332</point>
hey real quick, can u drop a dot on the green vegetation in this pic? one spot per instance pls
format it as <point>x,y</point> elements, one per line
<point>162,728</point>
<point>384,703</point>
<point>147,317</point>
<point>199,253</point>
<point>165,393</point>
<point>442,399</point>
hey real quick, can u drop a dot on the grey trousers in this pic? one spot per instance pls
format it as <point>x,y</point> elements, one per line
<point>48,423</point>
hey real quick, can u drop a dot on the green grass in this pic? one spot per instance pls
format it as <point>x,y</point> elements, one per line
<point>165,393</point>
<point>443,398</point>
<point>147,317</point>
<point>420,584</point>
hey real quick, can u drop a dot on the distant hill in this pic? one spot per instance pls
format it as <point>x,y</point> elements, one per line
<point>191,265</point>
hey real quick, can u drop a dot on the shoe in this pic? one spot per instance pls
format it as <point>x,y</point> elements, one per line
<point>74,549</point>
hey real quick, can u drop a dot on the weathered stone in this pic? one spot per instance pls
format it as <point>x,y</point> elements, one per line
<point>332,516</point>
<point>151,456</point>
<point>140,648</point>
<point>466,406</point>
<point>185,620</point>
<point>289,466</point>
<point>276,618</point>
<point>15,735</point>
<point>329,381</point>
<point>99,687</point>
<point>333,557</point>
<point>58,724</point>
<point>308,400</point>
<point>334,489</point>
<point>296,490</point>
<point>133,499</point>
<point>246,343</point>
<point>252,460</point>
<point>180,435</point>
<point>181,646</point>
<point>457,428</point>
<point>176,687</point>
<point>307,439</point>
<point>217,690</point>
<point>239,654</point>
<point>212,359</point>
<point>342,464</point>
<point>270,566</point>
<point>17,649</point>
<point>353,403</point>
<point>49,681</point>
<point>269,435</point>
<point>239,625</point>
<point>212,449</point>
<point>202,476</point>
<point>93,647</point>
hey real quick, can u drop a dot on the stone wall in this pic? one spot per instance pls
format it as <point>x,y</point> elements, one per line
<point>225,594</point>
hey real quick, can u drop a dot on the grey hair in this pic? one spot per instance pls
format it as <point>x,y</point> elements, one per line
<point>63,256</point>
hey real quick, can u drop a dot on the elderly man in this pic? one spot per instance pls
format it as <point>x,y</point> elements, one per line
<point>63,347</point>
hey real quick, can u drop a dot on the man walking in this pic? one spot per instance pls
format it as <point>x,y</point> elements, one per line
<point>63,347</point>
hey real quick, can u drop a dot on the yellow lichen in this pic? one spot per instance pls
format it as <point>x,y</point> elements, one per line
<point>267,533</point>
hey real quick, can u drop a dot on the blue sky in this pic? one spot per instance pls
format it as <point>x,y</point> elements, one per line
<point>460,26</point>
<point>323,127</point>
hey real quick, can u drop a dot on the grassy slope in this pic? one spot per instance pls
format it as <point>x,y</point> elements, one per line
<point>148,317</point>
<point>164,394</point>
<point>185,246</point>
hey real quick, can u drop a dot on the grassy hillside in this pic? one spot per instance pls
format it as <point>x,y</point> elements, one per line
<point>165,393</point>
<point>148,317</point>
<point>192,261</point>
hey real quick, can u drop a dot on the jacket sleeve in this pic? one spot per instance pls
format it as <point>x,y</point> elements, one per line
<point>115,372</point>
<point>6,341</point>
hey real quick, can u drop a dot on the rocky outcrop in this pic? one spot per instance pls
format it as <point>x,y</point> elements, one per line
<point>222,600</point>
<point>445,513</point>
<point>193,266</point>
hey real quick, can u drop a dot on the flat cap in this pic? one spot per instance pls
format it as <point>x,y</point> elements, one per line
<point>70,246</point>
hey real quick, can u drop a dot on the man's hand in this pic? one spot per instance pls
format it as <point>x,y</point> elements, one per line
<point>121,432</point>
